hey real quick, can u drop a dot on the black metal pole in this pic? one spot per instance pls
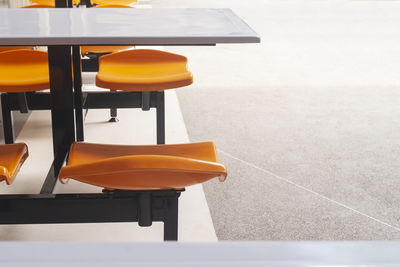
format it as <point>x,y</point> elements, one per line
<point>160,118</point>
<point>171,220</point>
<point>145,101</point>
<point>144,209</point>
<point>23,103</point>
<point>7,119</point>
<point>62,110</point>
<point>78,101</point>
<point>113,112</point>
<point>61,3</point>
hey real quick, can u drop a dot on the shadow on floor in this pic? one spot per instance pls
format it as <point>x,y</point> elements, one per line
<point>19,121</point>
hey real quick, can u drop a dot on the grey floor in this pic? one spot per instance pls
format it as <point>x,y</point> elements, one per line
<point>308,122</point>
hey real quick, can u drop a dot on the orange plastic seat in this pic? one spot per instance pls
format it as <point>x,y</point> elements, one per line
<point>151,167</point>
<point>50,2</point>
<point>23,71</point>
<point>11,159</point>
<point>143,70</point>
<point>10,48</point>
<point>113,2</point>
<point>112,6</point>
<point>39,6</point>
<point>103,49</point>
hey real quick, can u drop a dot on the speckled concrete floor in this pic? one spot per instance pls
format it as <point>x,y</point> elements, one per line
<point>308,122</point>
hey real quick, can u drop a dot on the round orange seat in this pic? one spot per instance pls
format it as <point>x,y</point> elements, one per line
<point>151,167</point>
<point>11,159</point>
<point>23,71</point>
<point>143,70</point>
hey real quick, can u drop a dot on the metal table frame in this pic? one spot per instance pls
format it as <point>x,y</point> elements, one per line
<point>110,206</point>
<point>65,96</point>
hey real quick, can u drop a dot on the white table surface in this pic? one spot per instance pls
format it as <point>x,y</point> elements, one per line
<point>229,254</point>
<point>80,26</point>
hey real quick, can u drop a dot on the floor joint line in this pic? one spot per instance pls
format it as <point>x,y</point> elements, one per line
<point>308,190</point>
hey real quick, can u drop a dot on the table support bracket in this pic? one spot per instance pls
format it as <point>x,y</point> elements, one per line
<point>144,207</point>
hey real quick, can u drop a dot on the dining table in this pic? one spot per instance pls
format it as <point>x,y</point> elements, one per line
<point>63,30</point>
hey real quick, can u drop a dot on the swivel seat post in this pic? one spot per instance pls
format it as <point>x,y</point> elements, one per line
<point>144,209</point>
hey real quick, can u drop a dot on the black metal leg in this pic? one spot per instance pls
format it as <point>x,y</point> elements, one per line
<point>62,108</point>
<point>113,112</point>
<point>146,101</point>
<point>62,111</point>
<point>88,3</point>
<point>90,63</point>
<point>160,118</point>
<point>78,99</point>
<point>7,120</point>
<point>51,178</point>
<point>144,209</point>
<point>62,3</point>
<point>171,220</point>
<point>23,103</point>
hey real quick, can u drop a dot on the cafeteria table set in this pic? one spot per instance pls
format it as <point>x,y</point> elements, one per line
<point>142,183</point>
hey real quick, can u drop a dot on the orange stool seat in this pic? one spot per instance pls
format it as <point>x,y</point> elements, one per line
<point>11,159</point>
<point>10,48</point>
<point>102,49</point>
<point>113,2</point>
<point>23,71</point>
<point>112,6</point>
<point>151,167</point>
<point>50,2</point>
<point>143,70</point>
<point>39,6</point>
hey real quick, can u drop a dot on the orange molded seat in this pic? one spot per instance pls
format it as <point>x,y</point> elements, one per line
<point>151,167</point>
<point>103,49</point>
<point>11,159</point>
<point>23,71</point>
<point>39,6</point>
<point>113,2</point>
<point>10,48</point>
<point>143,70</point>
<point>112,6</point>
<point>50,2</point>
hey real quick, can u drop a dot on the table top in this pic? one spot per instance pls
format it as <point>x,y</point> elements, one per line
<point>257,254</point>
<point>155,26</point>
